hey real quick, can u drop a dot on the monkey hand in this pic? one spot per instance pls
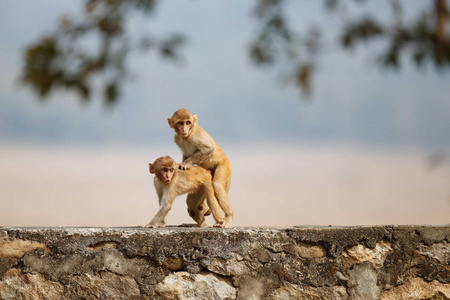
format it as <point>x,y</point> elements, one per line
<point>183,166</point>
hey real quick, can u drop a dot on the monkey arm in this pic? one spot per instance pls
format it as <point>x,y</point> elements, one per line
<point>202,154</point>
<point>159,190</point>
<point>158,220</point>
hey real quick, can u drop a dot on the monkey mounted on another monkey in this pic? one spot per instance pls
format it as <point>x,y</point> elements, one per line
<point>200,154</point>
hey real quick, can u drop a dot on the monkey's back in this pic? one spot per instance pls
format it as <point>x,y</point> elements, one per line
<point>192,179</point>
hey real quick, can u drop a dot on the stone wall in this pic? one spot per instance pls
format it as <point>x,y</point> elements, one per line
<point>380,262</point>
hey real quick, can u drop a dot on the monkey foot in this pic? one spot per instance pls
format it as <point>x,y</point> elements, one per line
<point>154,226</point>
<point>219,225</point>
<point>227,221</point>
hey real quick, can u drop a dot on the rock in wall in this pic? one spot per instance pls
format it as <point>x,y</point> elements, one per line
<point>378,262</point>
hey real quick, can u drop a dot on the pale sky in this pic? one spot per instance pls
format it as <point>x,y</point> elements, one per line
<point>354,100</point>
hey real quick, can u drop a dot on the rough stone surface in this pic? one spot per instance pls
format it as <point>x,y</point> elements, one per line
<point>18,285</point>
<point>172,263</point>
<point>363,282</point>
<point>376,256</point>
<point>290,291</point>
<point>417,288</point>
<point>377,262</point>
<point>254,286</point>
<point>233,266</point>
<point>311,251</point>
<point>202,286</point>
<point>440,252</point>
<point>104,285</point>
<point>16,248</point>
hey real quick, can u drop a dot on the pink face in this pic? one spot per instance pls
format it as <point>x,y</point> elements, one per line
<point>184,127</point>
<point>167,174</point>
<point>183,122</point>
<point>164,168</point>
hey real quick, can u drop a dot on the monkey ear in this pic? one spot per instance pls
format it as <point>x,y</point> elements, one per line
<point>151,168</point>
<point>195,119</point>
<point>169,120</point>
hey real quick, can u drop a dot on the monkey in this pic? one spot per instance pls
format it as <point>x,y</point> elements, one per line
<point>200,149</point>
<point>171,182</point>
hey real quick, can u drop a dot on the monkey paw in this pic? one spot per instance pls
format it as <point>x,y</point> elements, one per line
<point>183,166</point>
<point>219,225</point>
<point>149,225</point>
<point>227,221</point>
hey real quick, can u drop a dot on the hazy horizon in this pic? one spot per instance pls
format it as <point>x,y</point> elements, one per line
<point>271,186</point>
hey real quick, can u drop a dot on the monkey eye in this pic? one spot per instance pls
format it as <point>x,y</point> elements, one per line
<point>165,169</point>
<point>171,170</point>
<point>188,122</point>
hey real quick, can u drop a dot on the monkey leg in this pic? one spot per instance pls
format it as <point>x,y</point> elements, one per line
<point>227,185</point>
<point>196,207</point>
<point>213,204</point>
<point>221,183</point>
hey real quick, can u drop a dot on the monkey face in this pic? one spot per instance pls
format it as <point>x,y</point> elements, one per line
<point>183,127</point>
<point>183,122</point>
<point>167,174</point>
<point>164,168</point>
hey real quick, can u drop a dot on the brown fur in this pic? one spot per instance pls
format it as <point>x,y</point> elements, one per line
<point>171,182</point>
<point>200,149</point>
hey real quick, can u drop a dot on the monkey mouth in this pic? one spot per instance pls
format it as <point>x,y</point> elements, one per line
<point>168,180</point>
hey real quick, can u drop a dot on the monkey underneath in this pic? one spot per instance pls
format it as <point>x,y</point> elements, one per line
<point>171,182</point>
<point>200,149</point>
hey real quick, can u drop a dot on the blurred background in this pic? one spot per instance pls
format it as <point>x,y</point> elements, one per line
<point>331,112</point>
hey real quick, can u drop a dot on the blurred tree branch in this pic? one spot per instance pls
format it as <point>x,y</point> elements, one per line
<point>277,45</point>
<point>425,39</point>
<point>59,60</point>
